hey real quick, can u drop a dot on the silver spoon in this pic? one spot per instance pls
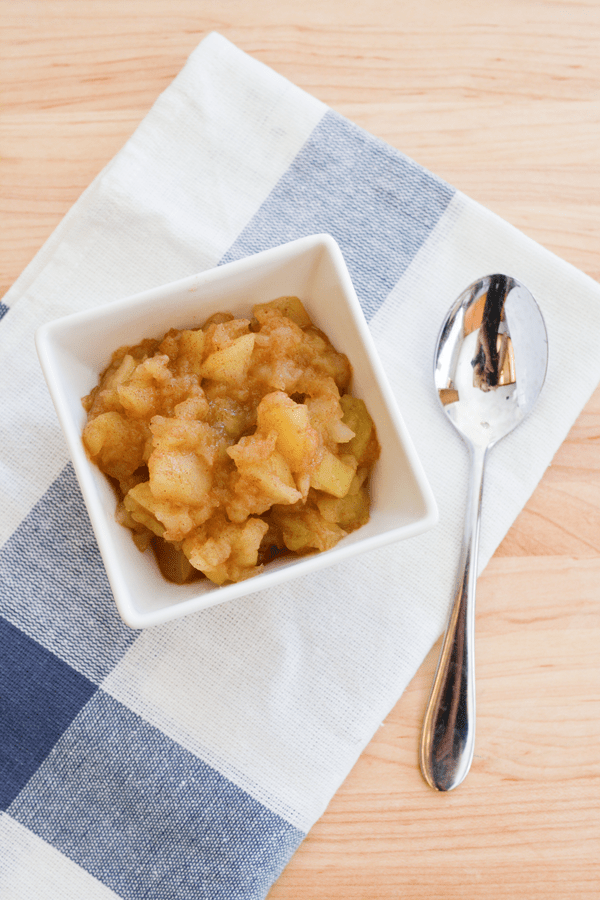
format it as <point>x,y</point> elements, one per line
<point>490,365</point>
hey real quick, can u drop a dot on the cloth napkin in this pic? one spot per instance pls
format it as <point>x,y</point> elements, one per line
<point>190,760</point>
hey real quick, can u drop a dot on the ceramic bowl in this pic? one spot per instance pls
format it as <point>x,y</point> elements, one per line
<point>75,349</point>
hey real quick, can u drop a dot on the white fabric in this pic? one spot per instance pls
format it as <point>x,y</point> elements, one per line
<point>306,673</point>
<point>32,868</point>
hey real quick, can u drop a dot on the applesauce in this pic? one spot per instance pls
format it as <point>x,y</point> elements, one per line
<point>233,443</point>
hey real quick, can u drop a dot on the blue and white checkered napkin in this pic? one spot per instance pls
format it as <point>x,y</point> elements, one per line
<point>190,759</point>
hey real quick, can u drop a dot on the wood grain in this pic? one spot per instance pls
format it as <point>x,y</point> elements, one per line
<point>503,101</point>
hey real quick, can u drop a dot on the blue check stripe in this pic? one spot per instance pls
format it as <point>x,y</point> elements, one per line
<point>53,585</point>
<point>379,205</point>
<point>39,697</point>
<point>148,818</point>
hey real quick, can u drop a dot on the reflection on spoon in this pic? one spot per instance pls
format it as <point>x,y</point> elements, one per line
<point>492,344</point>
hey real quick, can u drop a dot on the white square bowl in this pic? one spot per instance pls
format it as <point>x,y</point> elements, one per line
<point>74,350</point>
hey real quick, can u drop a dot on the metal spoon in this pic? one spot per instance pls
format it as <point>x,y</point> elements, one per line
<point>490,365</point>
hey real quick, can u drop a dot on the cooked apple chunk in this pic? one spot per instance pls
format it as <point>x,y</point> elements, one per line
<point>297,440</point>
<point>226,551</point>
<point>334,475</point>
<point>231,363</point>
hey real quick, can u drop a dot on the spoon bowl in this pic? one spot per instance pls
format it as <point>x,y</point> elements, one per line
<point>490,365</point>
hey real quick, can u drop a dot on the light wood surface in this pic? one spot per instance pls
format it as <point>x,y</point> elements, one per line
<point>503,101</point>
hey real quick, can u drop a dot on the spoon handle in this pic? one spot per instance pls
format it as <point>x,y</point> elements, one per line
<point>448,737</point>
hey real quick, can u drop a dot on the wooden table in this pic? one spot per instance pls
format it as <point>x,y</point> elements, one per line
<point>503,101</point>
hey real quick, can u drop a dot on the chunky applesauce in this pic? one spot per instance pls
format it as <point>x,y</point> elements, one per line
<point>234,442</point>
